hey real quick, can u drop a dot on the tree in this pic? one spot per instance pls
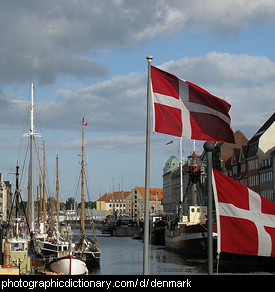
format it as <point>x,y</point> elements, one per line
<point>90,205</point>
<point>70,203</point>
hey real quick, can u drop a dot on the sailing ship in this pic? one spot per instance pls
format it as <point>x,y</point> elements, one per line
<point>86,247</point>
<point>19,240</point>
<point>62,261</point>
<point>55,246</point>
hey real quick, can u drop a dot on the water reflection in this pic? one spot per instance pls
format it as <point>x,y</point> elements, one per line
<point>124,256</point>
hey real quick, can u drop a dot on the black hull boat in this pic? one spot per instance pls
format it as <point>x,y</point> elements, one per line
<point>190,235</point>
<point>92,258</point>
<point>87,249</point>
<point>188,239</point>
<point>157,229</point>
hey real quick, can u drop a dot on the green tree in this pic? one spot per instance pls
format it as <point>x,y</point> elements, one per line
<point>70,203</point>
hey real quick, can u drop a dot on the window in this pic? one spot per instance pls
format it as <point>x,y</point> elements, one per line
<point>18,246</point>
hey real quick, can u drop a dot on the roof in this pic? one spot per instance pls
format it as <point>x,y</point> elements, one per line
<point>227,148</point>
<point>264,127</point>
<point>114,196</point>
<point>171,163</point>
<point>252,146</point>
<point>152,193</point>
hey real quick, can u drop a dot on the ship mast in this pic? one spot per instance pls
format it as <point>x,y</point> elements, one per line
<point>57,194</point>
<point>44,183</point>
<point>82,223</point>
<point>31,134</point>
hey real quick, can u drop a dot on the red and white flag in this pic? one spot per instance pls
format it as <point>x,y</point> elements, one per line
<point>84,123</point>
<point>245,220</point>
<point>185,109</point>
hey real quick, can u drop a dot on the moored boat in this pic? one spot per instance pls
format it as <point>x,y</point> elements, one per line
<point>157,228</point>
<point>68,265</point>
<point>190,235</point>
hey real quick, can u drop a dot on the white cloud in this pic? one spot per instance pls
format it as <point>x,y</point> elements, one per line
<point>42,41</point>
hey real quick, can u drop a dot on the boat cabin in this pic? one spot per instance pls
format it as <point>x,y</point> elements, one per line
<point>16,254</point>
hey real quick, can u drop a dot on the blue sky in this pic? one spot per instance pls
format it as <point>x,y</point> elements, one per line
<point>88,58</point>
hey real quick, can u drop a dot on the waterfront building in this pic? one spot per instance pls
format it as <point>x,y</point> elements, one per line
<point>113,203</point>
<point>130,203</point>
<point>171,184</point>
<point>232,158</point>
<point>135,202</point>
<point>251,162</point>
<point>260,155</point>
<point>266,177</point>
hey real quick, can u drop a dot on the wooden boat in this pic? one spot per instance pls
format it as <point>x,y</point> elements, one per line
<point>68,265</point>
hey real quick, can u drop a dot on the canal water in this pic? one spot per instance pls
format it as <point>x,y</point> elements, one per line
<point>124,256</point>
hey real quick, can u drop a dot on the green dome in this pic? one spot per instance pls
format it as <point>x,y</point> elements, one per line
<point>171,163</point>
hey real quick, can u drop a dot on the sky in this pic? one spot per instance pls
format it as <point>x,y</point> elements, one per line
<point>87,58</point>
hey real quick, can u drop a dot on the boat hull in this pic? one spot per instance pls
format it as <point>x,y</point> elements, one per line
<point>68,265</point>
<point>157,236</point>
<point>188,239</point>
<point>91,258</point>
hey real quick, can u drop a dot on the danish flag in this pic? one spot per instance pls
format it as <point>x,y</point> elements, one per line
<point>245,220</point>
<point>83,123</point>
<point>184,109</point>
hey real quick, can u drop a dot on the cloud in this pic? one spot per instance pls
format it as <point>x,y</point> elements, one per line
<point>41,41</point>
<point>224,69</point>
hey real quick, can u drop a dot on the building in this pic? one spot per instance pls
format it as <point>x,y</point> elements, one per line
<point>266,175</point>
<point>5,198</point>
<point>114,203</point>
<point>252,162</point>
<point>125,203</point>
<point>171,184</point>
<point>232,157</point>
<point>238,165</point>
<point>136,202</point>
<point>260,157</point>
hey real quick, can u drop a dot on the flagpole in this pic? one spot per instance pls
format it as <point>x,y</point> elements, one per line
<point>181,179</point>
<point>209,148</point>
<point>147,173</point>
